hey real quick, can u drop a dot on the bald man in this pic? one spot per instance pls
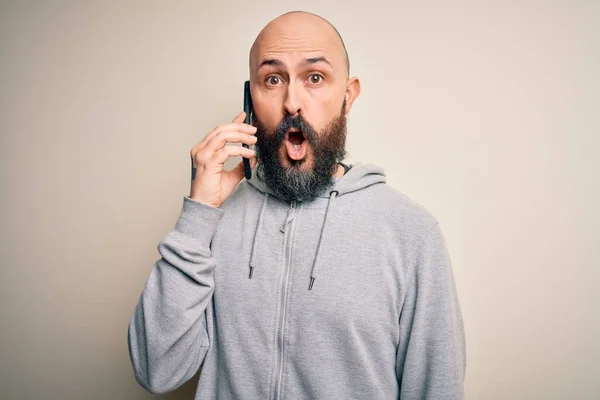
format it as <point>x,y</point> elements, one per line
<point>311,280</point>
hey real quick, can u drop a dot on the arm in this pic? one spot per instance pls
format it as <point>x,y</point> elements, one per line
<point>167,333</point>
<point>431,357</point>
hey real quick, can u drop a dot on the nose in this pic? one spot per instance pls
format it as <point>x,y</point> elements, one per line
<point>291,105</point>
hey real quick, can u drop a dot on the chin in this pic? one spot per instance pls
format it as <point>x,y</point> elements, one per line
<point>297,165</point>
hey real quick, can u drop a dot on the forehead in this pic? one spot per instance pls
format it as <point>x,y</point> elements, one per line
<point>295,41</point>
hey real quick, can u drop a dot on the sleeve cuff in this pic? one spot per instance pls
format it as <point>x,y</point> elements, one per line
<point>198,221</point>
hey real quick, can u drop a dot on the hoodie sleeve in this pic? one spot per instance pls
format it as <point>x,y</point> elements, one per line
<point>167,333</point>
<point>431,357</point>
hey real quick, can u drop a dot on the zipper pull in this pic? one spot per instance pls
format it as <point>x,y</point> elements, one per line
<point>290,216</point>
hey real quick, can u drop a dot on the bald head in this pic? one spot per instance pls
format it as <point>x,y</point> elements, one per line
<point>299,30</point>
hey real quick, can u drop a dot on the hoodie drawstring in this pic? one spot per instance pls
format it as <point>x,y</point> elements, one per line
<point>315,266</point>
<point>256,234</point>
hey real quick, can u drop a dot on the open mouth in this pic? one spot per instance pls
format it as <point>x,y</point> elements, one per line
<point>296,143</point>
<point>296,138</point>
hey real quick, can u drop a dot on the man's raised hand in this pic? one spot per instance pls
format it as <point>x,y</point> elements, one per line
<point>212,185</point>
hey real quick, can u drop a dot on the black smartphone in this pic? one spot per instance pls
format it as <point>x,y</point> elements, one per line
<point>248,120</point>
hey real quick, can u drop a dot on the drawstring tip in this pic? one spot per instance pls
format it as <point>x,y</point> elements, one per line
<point>251,272</point>
<point>312,280</point>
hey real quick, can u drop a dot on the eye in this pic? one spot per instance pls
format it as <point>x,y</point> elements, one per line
<point>273,80</point>
<point>315,78</point>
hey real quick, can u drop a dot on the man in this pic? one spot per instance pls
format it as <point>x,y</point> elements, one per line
<point>311,280</point>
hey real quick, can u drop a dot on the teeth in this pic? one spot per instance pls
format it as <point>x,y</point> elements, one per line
<point>297,146</point>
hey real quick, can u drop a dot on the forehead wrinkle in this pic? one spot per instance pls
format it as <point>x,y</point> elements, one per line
<point>275,50</point>
<point>306,54</point>
<point>294,42</point>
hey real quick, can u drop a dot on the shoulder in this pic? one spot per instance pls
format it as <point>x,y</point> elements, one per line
<point>400,209</point>
<point>397,216</point>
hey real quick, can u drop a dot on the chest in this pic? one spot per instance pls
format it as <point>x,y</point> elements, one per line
<point>357,266</point>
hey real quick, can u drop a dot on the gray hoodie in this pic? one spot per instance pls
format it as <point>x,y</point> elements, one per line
<point>348,296</point>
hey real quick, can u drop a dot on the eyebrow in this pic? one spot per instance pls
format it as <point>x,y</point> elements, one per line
<point>308,61</point>
<point>270,61</point>
<point>314,60</point>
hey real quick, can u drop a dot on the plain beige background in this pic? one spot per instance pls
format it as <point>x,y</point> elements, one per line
<point>487,114</point>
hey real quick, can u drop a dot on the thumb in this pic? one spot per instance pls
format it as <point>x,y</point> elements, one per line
<point>253,162</point>
<point>239,172</point>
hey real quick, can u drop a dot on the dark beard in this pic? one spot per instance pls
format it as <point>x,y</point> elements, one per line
<point>294,183</point>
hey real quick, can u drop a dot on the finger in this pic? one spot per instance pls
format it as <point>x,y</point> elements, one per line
<point>227,152</point>
<point>218,141</point>
<point>223,129</point>
<point>234,126</point>
<point>240,117</point>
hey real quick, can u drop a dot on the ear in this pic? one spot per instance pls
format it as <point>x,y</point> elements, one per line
<point>352,92</point>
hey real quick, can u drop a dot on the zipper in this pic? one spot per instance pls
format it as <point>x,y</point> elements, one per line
<point>287,229</point>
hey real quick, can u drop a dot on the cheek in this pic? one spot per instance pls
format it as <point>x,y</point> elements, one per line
<point>321,113</point>
<point>268,110</point>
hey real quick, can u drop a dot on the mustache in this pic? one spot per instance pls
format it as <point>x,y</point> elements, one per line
<point>299,123</point>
